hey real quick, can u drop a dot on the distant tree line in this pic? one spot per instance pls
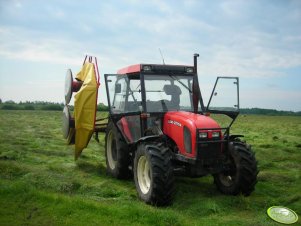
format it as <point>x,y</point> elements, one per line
<point>262,111</point>
<point>51,106</point>
<point>40,105</point>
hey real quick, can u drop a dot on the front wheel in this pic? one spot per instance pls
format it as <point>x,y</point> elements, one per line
<point>153,174</point>
<point>241,173</point>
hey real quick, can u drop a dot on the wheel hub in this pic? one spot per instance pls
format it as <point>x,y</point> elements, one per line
<point>143,175</point>
<point>112,151</point>
<point>227,180</point>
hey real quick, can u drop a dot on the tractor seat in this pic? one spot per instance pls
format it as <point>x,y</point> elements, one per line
<point>175,93</point>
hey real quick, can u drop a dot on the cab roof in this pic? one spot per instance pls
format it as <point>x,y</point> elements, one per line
<point>156,68</point>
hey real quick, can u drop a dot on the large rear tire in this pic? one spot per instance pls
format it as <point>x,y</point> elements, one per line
<point>241,175</point>
<point>153,174</point>
<point>117,153</point>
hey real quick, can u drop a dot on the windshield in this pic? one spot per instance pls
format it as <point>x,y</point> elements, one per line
<point>168,93</point>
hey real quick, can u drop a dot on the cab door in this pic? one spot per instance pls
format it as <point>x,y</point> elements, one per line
<point>225,95</point>
<point>224,100</point>
<point>124,99</point>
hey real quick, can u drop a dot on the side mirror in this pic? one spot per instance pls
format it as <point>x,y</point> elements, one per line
<point>117,88</point>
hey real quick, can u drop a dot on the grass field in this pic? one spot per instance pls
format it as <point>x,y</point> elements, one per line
<point>41,184</point>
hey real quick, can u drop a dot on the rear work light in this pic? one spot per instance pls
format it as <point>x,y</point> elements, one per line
<point>189,69</point>
<point>146,68</point>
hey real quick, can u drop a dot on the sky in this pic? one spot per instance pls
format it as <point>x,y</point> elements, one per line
<point>258,41</point>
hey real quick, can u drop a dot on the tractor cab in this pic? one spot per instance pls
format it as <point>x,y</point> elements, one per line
<point>141,94</point>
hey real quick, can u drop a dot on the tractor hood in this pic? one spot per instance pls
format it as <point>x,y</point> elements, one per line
<point>177,122</point>
<point>195,120</point>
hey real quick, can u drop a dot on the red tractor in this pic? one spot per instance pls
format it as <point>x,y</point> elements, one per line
<point>158,127</point>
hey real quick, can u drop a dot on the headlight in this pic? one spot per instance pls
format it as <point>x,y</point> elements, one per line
<point>203,135</point>
<point>215,134</point>
<point>187,140</point>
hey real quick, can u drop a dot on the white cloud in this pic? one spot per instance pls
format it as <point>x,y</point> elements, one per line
<point>234,9</point>
<point>16,43</point>
<point>232,38</point>
<point>56,13</point>
<point>18,4</point>
<point>293,38</point>
<point>251,54</point>
<point>271,99</point>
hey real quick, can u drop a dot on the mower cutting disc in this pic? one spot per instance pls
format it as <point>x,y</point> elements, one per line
<point>67,122</point>
<point>282,215</point>
<point>68,86</point>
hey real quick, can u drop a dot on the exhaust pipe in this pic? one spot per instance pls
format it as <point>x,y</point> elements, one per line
<point>195,62</point>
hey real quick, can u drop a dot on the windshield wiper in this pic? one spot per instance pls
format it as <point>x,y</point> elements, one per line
<point>178,80</point>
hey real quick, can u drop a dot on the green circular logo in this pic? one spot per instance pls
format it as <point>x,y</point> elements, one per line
<point>282,215</point>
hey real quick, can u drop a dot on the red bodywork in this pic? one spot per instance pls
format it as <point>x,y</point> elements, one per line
<point>173,126</point>
<point>125,129</point>
<point>130,69</point>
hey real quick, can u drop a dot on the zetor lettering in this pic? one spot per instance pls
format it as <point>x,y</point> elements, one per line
<point>174,122</point>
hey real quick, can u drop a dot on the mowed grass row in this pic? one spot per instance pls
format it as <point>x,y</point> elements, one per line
<point>41,184</point>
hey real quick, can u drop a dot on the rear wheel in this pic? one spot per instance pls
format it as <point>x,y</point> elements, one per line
<point>117,153</point>
<point>153,174</point>
<point>241,175</point>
